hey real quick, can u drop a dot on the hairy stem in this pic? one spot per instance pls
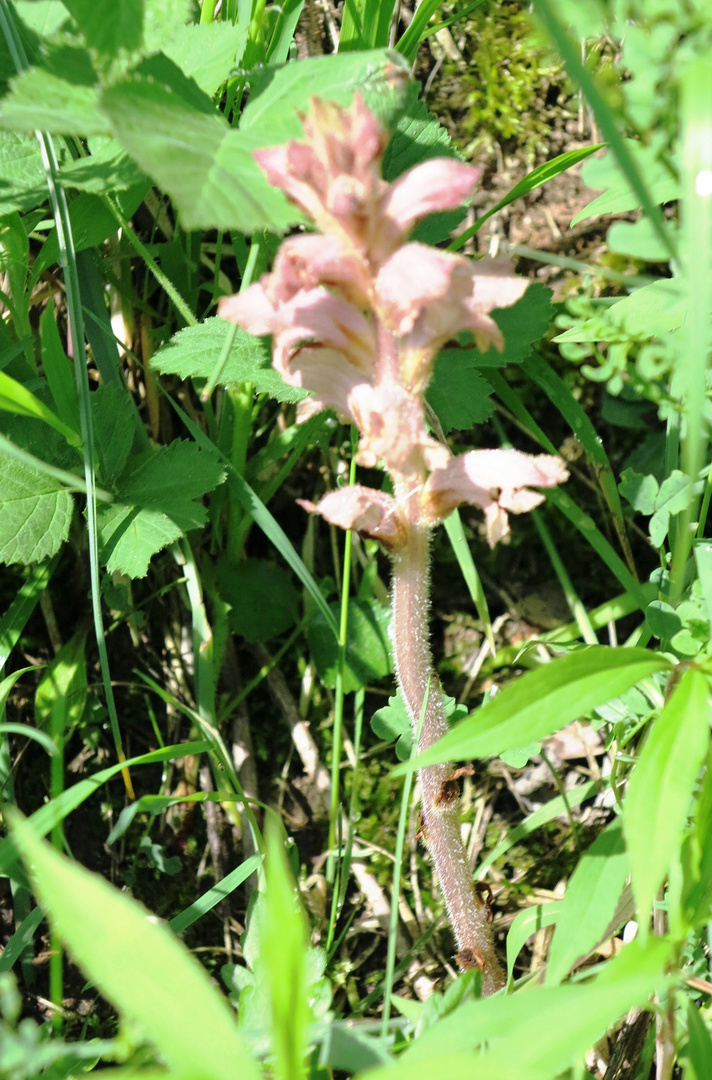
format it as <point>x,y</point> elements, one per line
<point>469,913</point>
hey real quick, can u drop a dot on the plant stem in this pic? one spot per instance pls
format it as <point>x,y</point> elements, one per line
<point>469,914</point>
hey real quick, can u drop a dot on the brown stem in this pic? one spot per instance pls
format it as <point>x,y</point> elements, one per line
<point>469,913</point>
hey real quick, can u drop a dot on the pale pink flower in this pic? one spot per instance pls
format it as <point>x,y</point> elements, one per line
<point>372,514</point>
<point>393,432</point>
<point>305,261</point>
<point>494,480</point>
<point>426,297</point>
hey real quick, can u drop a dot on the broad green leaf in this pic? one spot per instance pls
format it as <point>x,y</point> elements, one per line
<point>526,924</point>
<point>23,184</point>
<point>543,701</point>
<point>590,902</point>
<point>40,100</point>
<point>155,506</point>
<point>108,168</point>
<point>619,198</point>
<point>517,1036</point>
<point>657,801</point>
<point>675,494</point>
<point>189,150</point>
<point>393,723</point>
<point>368,652</point>
<point>138,965</point>
<point>640,491</point>
<point>637,238</point>
<point>662,619</point>
<point>109,28</point>
<point>35,513</point>
<point>195,353</point>
<point>206,52</point>
<point>278,95</point>
<point>263,599</point>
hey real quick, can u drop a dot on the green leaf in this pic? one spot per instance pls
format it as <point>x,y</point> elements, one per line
<point>516,1034</point>
<point>650,311</point>
<point>108,168</point>
<point>114,423</point>
<point>657,801</point>
<point>263,599</point>
<point>662,619</point>
<point>155,506</point>
<point>619,198</point>
<point>35,513</point>
<point>526,924</point>
<point>699,1045</point>
<point>23,185</point>
<point>278,95</point>
<point>175,135</point>
<point>637,238</point>
<point>393,723</point>
<point>640,491</point>
<point>138,965</point>
<point>543,701</point>
<point>40,100</point>
<point>16,398</point>
<point>206,52</point>
<point>217,894</point>
<point>58,370</point>
<point>195,353</point>
<point>590,902</point>
<point>368,652</point>
<point>109,28</point>
<point>675,495</point>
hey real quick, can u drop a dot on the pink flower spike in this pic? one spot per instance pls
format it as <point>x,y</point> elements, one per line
<point>426,297</point>
<point>252,309</point>
<point>304,262</point>
<point>372,514</point>
<point>494,480</point>
<point>322,317</point>
<point>329,375</point>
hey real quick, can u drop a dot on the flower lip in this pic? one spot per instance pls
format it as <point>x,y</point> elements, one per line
<point>372,514</point>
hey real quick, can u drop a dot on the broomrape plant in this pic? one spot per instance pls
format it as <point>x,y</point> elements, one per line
<point>357,315</point>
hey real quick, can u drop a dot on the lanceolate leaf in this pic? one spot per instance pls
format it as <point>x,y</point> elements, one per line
<point>138,965</point>
<point>590,901</point>
<point>661,785</point>
<point>543,701</point>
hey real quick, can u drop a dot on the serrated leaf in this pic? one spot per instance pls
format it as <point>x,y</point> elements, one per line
<point>138,965</point>
<point>155,506</point>
<point>206,52</point>
<point>108,27</point>
<point>40,100</point>
<point>195,353</point>
<point>263,599</point>
<point>279,94</point>
<point>35,513</point>
<point>189,150</point>
<point>458,395</point>
<point>23,184</point>
<point>590,902</point>
<point>368,652</point>
<point>640,491</point>
<point>107,168</point>
<point>657,801</point>
<point>543,701</point>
